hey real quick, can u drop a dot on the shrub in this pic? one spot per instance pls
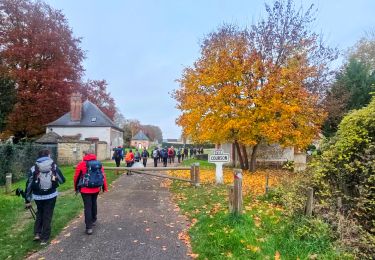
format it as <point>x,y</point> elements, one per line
<point>346,168</point>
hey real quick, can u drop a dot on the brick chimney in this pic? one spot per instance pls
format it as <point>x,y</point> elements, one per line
<point>76,107</point>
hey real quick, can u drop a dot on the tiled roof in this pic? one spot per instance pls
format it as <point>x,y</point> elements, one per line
<point>92,116</point>
<point>49,138</point>
<point>140,136</point>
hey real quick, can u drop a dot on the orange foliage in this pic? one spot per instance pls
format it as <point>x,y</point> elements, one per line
<point>233,94</point>
<point>252,183</point>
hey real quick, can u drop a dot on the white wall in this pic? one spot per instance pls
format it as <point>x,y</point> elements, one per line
<point>116,139</point>
<point>112,136</point>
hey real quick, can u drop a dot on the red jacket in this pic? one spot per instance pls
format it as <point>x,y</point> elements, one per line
<point>81,168</point>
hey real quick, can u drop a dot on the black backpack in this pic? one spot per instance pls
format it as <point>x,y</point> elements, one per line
<point>93,177</point>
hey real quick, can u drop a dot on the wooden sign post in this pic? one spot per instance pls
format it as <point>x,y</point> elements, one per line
<point>237,198</point>
<point>219,158</point>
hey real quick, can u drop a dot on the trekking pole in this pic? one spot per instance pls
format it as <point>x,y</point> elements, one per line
<point>32,211</point>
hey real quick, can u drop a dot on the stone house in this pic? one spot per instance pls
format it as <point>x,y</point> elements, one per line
<point>140,140</point>
<point>84,126</point>
<point>270,155</point>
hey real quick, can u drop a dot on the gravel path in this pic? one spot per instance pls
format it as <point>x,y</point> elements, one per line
<point>136,220</point>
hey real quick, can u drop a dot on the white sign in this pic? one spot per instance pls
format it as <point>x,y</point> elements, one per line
<point>219,158</point>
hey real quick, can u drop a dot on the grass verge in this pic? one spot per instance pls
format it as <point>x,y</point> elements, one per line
<point>202,164</point>
<point>262,232</point>
<point>16,224</point>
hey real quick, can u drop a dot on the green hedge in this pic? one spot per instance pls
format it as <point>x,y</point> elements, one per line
<point>17,159</point>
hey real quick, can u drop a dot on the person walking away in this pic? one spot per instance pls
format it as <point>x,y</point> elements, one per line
<point>137,156</point>
<point>170,154</point>
<point>164,154</point>
<point>186,153</point>
<point>41,186</point>
<point>118,155</point>
<point>129,159</point>
<point>179,155</point>
<point>174,154</point>
<point>89,178</point>
<point>160,154</point>
<point>145,155</point>
<point>182,154</point>
<point>155,155</point>
<point>191,152</point>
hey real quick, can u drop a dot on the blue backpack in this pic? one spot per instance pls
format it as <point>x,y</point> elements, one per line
<point>93,178</point>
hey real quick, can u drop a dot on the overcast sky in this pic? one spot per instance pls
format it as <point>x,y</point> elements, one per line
<point>141,47</point>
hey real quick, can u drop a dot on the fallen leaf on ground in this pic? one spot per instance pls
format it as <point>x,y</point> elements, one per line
<point>194,256</point>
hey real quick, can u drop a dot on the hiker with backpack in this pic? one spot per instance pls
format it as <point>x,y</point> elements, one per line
<point>129,158</point>
<point>89,178</point>
<point>179,155</point>
<point>145,155</point>
<point>155,154</point>
<point>164,155</point>
<point>41,186</point>
<point>137,156</point>
<point>118,155</point>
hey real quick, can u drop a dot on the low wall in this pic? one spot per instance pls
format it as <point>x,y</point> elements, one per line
<point>102,151</point>
<point>71,152</point>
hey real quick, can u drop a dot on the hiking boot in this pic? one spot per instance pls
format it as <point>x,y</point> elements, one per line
<point>89,231</point>
<point>43,242</point>
<point>37,237</point>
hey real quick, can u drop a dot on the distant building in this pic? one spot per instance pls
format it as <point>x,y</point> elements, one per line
<point>140,140</point>
<point>86,123</point>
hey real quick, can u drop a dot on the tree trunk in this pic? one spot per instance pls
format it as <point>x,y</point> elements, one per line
<point>246,159</point>
<point>253,158</point>
<point>239,155</point>
<point>233,155</point>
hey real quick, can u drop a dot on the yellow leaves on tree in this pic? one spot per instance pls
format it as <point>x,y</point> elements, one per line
<point>235,93</point>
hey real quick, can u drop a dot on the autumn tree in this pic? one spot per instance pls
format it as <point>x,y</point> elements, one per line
<point>7,97</point>
<point>119,118</point>
<point>96,92</point>
<point>39,53</point>
<point>258,85</point>
<point>153,132</point>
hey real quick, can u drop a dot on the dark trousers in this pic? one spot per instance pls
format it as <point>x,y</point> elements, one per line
<point>91,210</point>
<point>179,158</point>
<point>118,162</point>
<point>129,164</point>
<point>165,161</point>
<point>156,162</point>
<point>43,220</point>
<point>144,160</point>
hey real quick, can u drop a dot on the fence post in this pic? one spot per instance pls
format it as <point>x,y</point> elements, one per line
<point>310,201</point>
<point>192,174</point>
<point>197,178</point>
<point>237,203</point>
<point>8,183</point>
<point>230,189</point>
<point>267,178</point>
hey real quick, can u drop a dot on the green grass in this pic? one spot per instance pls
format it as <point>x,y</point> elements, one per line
<point>202,164</point>
<point>16,223</point>
<point>257,234</point>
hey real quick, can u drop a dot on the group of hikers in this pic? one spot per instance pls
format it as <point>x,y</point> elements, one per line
<point>41,186</point>
<point>44,177</point>
<point>158,154</point>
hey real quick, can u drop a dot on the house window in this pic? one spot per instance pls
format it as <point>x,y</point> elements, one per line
<point>93,119</point>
